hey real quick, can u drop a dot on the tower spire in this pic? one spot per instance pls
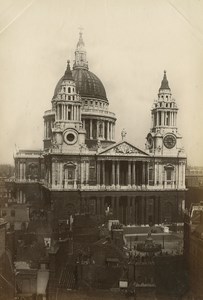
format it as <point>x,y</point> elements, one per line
<point>164,83</point>
<point>68,73</point>
<point>80,53</point>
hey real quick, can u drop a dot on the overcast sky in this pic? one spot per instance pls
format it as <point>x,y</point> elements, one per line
<point>129,44</point>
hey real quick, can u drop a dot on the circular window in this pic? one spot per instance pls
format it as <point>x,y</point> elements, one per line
<point>70,137</point>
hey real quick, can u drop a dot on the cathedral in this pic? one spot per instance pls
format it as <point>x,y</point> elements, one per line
<point>82,169</point>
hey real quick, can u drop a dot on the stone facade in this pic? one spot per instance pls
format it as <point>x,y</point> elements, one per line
<point>82,169</point>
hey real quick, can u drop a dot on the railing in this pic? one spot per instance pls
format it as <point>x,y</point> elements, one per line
<point>98,112</point>
<point>86,187</point>
<point>18,180</point>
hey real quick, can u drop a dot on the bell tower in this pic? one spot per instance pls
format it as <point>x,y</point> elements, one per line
<point>68,134</point>
<point>164,138</point>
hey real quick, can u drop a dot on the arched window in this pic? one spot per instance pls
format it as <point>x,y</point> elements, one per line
<point>69,90</point>
<point>169,173</point>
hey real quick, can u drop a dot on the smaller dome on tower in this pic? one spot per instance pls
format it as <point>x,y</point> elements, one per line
<point>164,83</point>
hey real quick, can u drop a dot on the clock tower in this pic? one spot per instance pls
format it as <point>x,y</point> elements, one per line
<point>164,138</point>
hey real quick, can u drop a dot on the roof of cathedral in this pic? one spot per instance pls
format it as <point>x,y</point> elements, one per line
<point>87,83</point>
<point>164,83</point>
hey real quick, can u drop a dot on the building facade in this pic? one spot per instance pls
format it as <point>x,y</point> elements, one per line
<point>83,170</point>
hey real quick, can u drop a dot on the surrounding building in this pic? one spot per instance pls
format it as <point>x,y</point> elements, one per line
<point>7,278</point>
<point>194,184</point>
<point>193,247</point>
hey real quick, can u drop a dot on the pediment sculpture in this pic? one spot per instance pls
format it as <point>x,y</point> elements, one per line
<point>125,149</point>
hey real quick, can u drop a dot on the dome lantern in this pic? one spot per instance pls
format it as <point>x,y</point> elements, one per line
<point>80,54</point>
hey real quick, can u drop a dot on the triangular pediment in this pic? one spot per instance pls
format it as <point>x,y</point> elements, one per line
<point>123,148</point>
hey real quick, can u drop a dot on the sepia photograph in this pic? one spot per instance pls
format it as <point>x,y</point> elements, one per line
<point>101,150</point>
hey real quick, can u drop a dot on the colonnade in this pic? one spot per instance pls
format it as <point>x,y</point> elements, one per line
<point>118,172</point>
<point>127,209</point>
<point>97,128</point>
<point>164,118</point>
<point>21,170</point>
<point>21,197</point>
<point>68,112</point>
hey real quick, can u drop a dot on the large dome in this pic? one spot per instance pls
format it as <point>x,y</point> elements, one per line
<point>87,84</point>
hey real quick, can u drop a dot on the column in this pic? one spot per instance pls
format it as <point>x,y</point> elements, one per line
<point>98,172</point>
<point>134,174</point>
<point>118,173</point>
<point>81,172</point>
<point>58,174</point>
<point>103,129</point>
<point>103,172</point>
<point>83,123</point>
<point>143,173</point>
<point>79,112</point>
<point>157,118</point>
<point>129,173</point>
<point>64,112</point>
<point>110,138</point>
<point>61,111</point>
<point>90,129</point>
<point>53,173</point>
<point>20,177</point>
<point>146,172</point>
<point>183,175</point>
<point>155,174</point>
<point>97,129</point>
<point>113,173</point>
<point>61,175</point>
<point>87,172</point>
<point>75,113</point>
<point>107,130</point>
<point>162,118</point>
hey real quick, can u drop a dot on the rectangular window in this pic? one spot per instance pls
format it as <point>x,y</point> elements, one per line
<point>168,174</point>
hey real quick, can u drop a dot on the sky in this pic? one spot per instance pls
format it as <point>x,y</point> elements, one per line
<point>129,44</point>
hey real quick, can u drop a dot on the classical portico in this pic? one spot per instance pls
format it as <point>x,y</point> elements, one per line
<point>116,173</point>
<point>122,165</point>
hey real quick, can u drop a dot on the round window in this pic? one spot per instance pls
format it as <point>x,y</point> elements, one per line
<point>70,137</point>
